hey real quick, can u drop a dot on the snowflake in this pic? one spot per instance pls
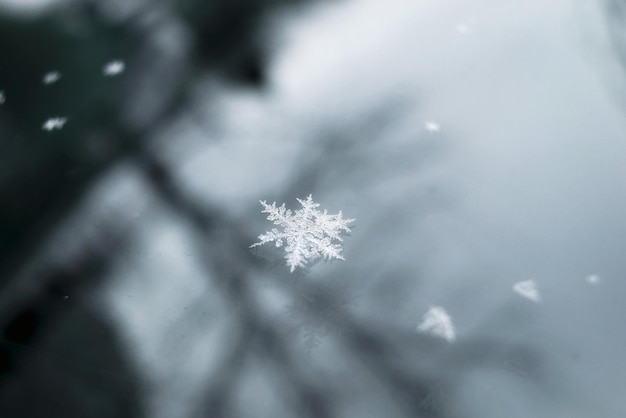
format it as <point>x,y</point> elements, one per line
<point>53,123</point>
<point>51,77</point>
<point>308,233</point>
<point>528,289</point>
<point>431,126</point>
<point>437,322</point>
<point>113,68</point>
<point>592,279</point>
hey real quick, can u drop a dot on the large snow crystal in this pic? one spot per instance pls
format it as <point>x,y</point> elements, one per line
<point>307,235</point>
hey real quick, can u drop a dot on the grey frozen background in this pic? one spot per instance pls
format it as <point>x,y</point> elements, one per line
<point>523,181</point>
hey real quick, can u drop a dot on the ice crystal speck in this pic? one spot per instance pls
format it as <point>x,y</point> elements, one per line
<point>438,323</point>
<point>54,124</point>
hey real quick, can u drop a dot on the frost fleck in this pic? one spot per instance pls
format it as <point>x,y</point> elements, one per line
<point>437,322</point>
<point>528,289</point>
<point>113,68</point>
<point>54,124</point>
<point>51,77</point>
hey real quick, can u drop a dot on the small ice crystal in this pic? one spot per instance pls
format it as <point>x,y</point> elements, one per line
<point>113,68</point>
<point>437,322</point>
<point>431,126</point>
<point>527,289</point>
<point>53,124</point>
<point>51,77</point>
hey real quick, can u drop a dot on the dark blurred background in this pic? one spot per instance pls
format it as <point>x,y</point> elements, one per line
<point>127,288</point>
<point>58,357</point>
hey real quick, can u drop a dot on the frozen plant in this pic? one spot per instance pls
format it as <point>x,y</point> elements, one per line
<point>307,234</point>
